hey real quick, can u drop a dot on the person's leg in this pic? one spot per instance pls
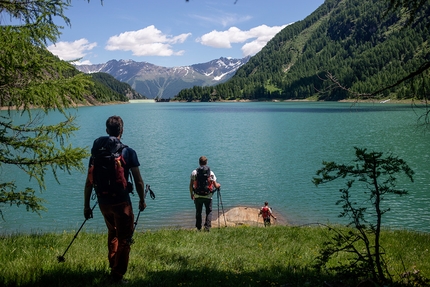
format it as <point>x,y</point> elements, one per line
<point>208,209</point>
<point>199,206</point>
<point>124,220</point>
<point>112,244</point>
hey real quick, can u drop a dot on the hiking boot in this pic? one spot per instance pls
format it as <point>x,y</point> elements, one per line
<point>118,281</point>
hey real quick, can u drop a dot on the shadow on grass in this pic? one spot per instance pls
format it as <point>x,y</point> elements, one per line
<point>276,276</point>
<point>208,278</point>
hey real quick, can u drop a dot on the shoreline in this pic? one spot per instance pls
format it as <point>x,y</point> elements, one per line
<point>352,101</point>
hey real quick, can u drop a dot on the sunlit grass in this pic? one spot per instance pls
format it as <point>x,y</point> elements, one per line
<point>242,256</point>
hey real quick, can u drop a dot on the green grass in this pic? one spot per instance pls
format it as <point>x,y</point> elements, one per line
<point>242,256</point>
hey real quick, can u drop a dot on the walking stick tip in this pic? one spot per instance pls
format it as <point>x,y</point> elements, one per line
<point>61,259</point>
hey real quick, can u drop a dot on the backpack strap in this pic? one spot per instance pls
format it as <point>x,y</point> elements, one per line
<point>107,143</point>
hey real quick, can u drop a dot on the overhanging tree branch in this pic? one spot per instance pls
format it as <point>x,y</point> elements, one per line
<point>336,84</point>
<point>31,77</point>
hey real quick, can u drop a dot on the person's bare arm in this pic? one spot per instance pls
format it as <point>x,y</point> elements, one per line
<point>274,217</point>
<point>191,189</point>
<point>217,184</point>
<point>139,184</point>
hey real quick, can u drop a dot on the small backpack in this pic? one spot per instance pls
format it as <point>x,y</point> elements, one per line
<point>106,171</point>
<point>265,211</point>
<point>203,184</point>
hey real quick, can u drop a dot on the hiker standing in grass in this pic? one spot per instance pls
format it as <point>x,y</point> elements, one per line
<point>113,195</point>
<point>203,184</point>
<point>266,212</point>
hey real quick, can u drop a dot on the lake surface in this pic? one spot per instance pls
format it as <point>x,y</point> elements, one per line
<point>258,151</point>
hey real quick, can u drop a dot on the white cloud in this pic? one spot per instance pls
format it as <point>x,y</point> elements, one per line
<point>72,50</point>
<point>255,39</point>
<point>146,42</point>
<point>223,39</point>
<point>86,62</point>
<point>253,47</point>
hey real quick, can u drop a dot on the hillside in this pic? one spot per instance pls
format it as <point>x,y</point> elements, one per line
<point>108,89</point>
<point>102,88</point>
<point>354,40</point>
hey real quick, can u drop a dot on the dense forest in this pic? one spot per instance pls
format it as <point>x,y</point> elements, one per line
<point>108,89</point>
<point>362,46</point>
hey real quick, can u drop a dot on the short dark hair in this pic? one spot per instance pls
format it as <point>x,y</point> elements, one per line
<point>114,126</point>
<point>203,160</point>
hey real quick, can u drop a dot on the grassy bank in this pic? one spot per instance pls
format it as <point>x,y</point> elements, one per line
<point>242,256</point>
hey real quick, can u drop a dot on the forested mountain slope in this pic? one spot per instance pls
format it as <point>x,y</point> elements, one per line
<point>107,89</point>
<point>356,41</point>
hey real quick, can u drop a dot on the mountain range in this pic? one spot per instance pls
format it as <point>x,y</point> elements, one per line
<point>158,82</point>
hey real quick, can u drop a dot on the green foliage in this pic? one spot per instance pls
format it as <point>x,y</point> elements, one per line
<point>243,256</point>
<point>376,176</point>
<point>31,77</point>
<point>8,194</point>
<point>108,89</point>
<point>350,39</point>
<point>36,18</point>
<point>409,7</point>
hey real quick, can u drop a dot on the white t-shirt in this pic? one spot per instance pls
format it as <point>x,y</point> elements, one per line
<point>193,178</point>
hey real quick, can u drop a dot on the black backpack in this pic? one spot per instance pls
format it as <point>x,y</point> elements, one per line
<point>203,185</point>
<point>107,166</point>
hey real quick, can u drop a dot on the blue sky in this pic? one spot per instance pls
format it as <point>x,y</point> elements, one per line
<point>173,33</point>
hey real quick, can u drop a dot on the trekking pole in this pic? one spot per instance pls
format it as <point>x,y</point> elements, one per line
<point>222,206</point>
<point>217,195</point>
<point>61,258</point>
<point>131,241</point>
<point>152,195</point>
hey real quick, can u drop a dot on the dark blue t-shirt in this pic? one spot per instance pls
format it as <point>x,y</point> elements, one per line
<point>131,160</point>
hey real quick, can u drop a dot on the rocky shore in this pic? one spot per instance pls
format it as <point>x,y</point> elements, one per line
<point>241,215</point>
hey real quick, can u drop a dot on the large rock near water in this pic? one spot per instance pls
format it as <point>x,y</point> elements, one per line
<point>239,216</point>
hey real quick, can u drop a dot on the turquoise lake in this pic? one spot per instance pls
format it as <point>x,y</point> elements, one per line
<point>259,152</point>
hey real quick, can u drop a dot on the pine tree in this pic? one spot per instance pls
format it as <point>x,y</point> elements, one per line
<point>32,78</point>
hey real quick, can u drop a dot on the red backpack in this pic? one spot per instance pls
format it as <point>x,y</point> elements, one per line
<point>106,171</point>
<point>265,211</point>
<point>203,184</point>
